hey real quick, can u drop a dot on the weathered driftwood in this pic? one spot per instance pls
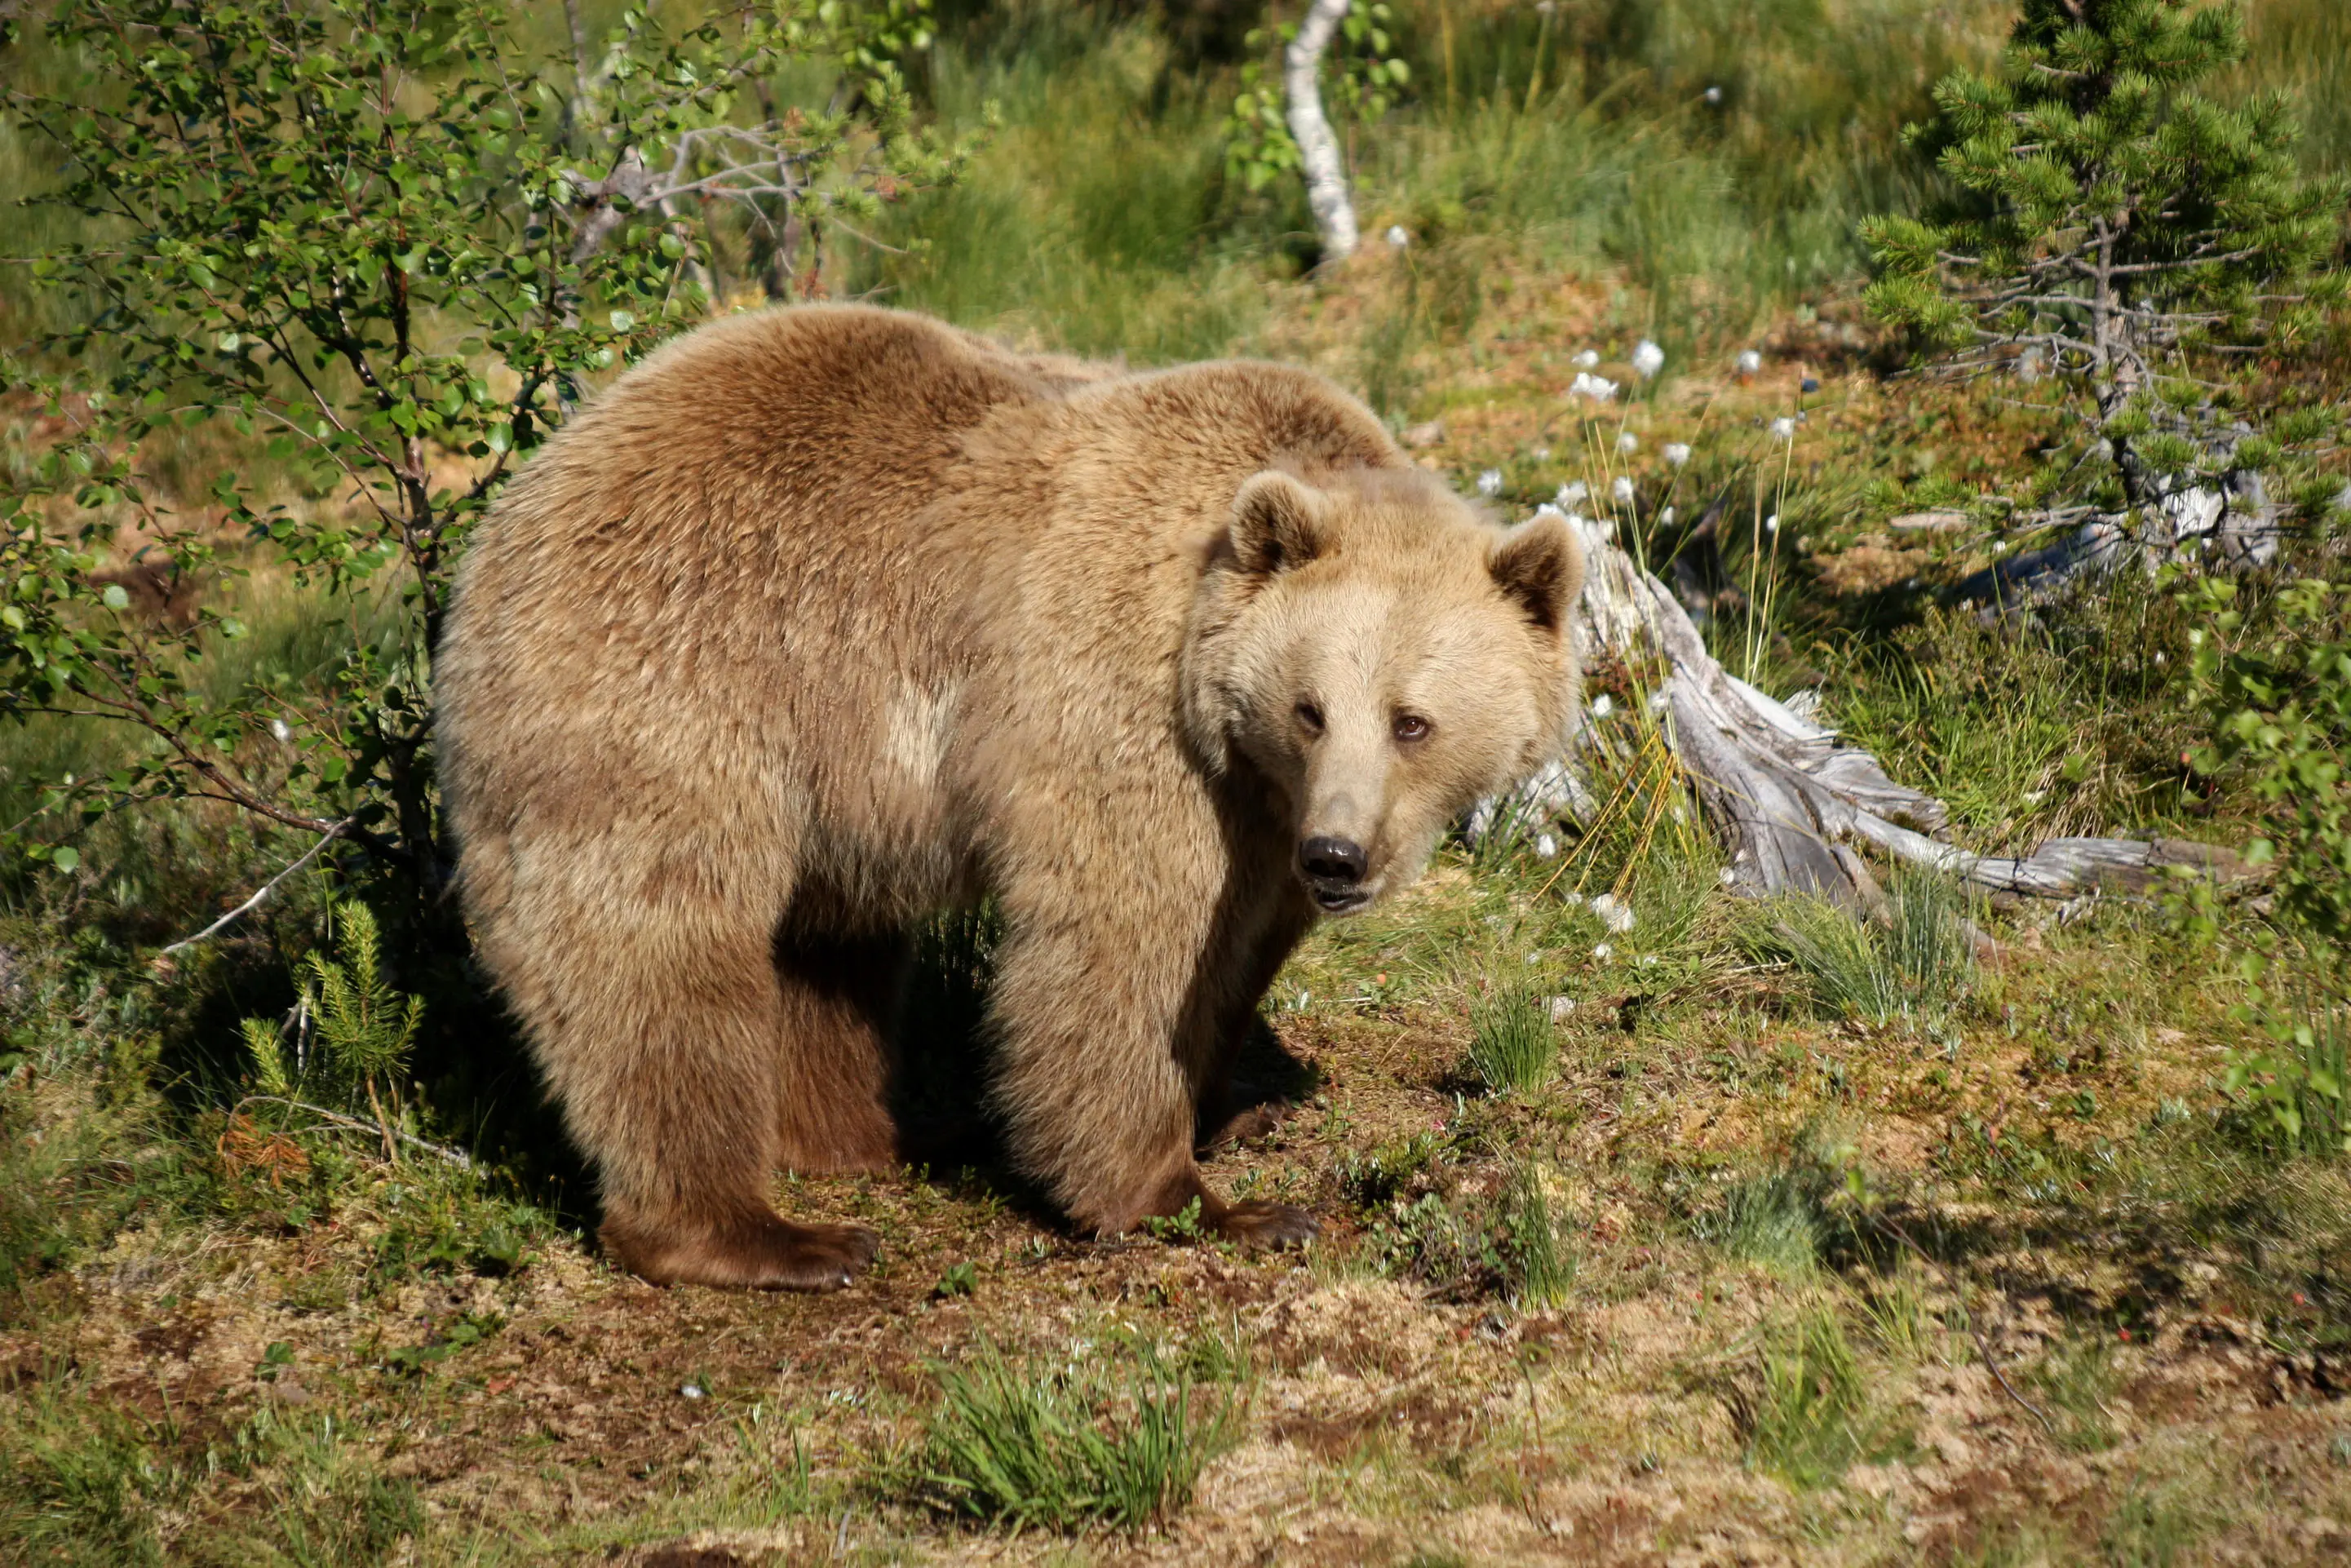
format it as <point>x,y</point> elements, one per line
<point>1787,798</point>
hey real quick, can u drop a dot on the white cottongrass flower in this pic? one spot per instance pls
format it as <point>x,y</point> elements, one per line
<point>691,1391</point>
<point>1613,911</point>
<point>1749,361</point>
<point>277,727</point>
<point>1622,491</point>
<point>1602,951</point>
<point>1489,483</point>
<point>1647,358</point>
<point>1665,518</point>
<point>1599,389</point>
<point>1603,705</point>
<point>1572,493</point>
<point>1549,509</point>
<point>1771,524</point>
<point>1546,847</point>
<point>1628,442</point>
<point>1676,454</point>
<point>1784,429</point>
<point>1397,237</point>
<point>1713,95</point>
<point>1585,360</point>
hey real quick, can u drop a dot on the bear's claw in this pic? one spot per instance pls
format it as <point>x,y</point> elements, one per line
<point>1266,1225</point>
<point>768,1254</point>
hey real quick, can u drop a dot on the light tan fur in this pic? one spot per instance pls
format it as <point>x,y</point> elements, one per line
<point>824,619</point>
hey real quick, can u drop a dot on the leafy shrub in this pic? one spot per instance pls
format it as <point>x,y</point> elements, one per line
<point>446,240</point>
<point>1062,1449</point>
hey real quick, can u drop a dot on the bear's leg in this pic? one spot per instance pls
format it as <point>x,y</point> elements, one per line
<point>663,1049</point>
<point>834,1063</point>
<point>1229,1111</point>
<point>1107,1012</point>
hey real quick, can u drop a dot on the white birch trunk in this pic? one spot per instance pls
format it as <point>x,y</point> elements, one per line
<point>1318,148</point>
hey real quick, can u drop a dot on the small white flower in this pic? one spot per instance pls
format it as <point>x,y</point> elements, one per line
<point>1599,389</point>
<point>1489,483</point>
<point>1613,914</point>
<point>1784,429</point>
<point>1560,1008</point>
<point>1647,358</point>
<point>1665,518</point>
<point>1397,237</point>
<point>1676,454</point>
<point>1585,360</point>
<point>1541,455</point>
<point>1648,960</point>
<point>1622,490</point>
<point>1771,524</point>
<point>1602,951</point>
<point>691,1391</point>
<point>1998,547</point>
<point>1547,509</point>
<point>1714,95</point>
<point>1546,847</point>
<point>277,727</point>
<point>1603,705</point>
<point>1726,876</point>
<point>1572,493</point>
<point>1628,442</point>
<point>1749,361</point>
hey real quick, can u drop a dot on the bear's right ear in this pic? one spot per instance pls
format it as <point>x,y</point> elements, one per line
<point>1276,524</point>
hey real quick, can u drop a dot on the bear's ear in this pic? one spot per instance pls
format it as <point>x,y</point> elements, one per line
<point>1538,566</point>
<point>1276,524</point>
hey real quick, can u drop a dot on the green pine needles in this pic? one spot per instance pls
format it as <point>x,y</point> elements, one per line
<point>360,1030</point>
<point>2114,230</point>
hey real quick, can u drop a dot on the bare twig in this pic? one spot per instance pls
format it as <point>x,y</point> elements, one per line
<point>1983,1347</point>
<point>267,888</point>
<point>343,1124</point>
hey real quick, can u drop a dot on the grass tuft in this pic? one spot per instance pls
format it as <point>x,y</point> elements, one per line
<point>1775,1221</point>
<point>1062,1450</point>
<point>1810,1419</point>
<point>1511,1046</point>
<point>1912,961</point>
<point>1542,1252</point>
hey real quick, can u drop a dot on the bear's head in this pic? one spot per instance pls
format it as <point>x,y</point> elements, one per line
<point>1383,657</point>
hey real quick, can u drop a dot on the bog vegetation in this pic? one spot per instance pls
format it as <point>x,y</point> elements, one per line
<point>1659,1223</point>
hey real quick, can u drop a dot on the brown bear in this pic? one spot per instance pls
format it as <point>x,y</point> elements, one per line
<point>825,619</point>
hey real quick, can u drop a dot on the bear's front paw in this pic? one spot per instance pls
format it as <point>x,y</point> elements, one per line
<point>1266,1225</point>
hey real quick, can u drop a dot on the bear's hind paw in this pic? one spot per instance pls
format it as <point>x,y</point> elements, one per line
<point>768,1254</point>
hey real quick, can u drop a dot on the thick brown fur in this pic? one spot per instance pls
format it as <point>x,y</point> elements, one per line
<point>824,618</point>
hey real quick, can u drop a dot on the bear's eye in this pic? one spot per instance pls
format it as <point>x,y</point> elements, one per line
<point>1411,726</point>
<point>1310,717</point>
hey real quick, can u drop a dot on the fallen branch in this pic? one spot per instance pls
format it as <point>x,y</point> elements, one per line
<point>263,893</point>
<point>342,1123</point>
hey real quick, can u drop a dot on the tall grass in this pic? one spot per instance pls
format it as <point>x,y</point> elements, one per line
<point>1912,961</point>
<point>1512,1045</point>
<point>1063,1448</point>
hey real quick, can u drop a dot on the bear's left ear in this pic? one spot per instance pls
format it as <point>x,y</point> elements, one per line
<point>1539,567</point>
<point>1276,523</point>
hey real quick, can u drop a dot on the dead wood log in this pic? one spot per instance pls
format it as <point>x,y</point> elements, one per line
<point>1788,798</point>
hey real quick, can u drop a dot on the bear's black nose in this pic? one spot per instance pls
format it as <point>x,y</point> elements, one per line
<point>1332,860</point>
